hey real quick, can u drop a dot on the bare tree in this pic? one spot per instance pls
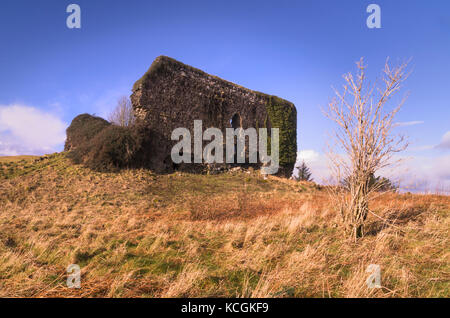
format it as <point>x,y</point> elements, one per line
<point>364,139</point>
<point>123,114</point>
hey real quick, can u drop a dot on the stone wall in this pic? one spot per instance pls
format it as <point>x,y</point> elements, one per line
<point>172,94</point>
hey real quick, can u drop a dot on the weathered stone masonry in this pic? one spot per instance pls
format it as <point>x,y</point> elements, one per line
<point>172,94</point>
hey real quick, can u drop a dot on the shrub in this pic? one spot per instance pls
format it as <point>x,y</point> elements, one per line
<point>83,128</point>
<point>113,148</point>
<point>377,184</point>
<point>106,147</point>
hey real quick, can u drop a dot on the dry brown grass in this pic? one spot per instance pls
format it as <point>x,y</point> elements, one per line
<point>136,234</point>
<point>5,159</point>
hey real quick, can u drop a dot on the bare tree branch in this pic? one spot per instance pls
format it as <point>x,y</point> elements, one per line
<point>123,114</point>
<point>364,134</point>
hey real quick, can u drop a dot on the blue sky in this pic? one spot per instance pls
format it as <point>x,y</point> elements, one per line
<point>294,49</point>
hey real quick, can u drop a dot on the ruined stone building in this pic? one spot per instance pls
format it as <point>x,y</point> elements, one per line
<point>172,94</point>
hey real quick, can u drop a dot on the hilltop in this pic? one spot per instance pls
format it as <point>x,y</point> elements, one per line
<point>139,234</point>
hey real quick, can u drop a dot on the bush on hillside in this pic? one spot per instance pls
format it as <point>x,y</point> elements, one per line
<point>106,147</point>
<point>83,128</point>
<point>113,148</point>
<point>378,184</point>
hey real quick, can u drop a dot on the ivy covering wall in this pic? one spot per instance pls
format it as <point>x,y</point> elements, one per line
<point>172,94</point>
<point>283,115</point>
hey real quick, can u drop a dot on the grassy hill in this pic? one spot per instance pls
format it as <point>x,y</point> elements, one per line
<point>137,234</point>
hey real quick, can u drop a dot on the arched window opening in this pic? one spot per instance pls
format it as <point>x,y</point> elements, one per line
<point>235,121</point>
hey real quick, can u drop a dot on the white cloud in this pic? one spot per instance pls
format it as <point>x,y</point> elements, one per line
<point>421,148</point>
<point>28,130</point>
<point>308,156</point>
<point>445,142</point>
<point>316,162</point>
<point>416,174</point>
<point>409,123</point>
<point>423,173</point>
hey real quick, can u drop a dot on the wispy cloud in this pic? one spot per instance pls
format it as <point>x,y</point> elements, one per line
<point>445,141</point>
<point>423,173</point>
<point>28,130</point>
<point>421,148</point>
<point>409,123</point>
<point>444,144</point>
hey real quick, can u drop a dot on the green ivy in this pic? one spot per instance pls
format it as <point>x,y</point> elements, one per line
<point>283,115</point>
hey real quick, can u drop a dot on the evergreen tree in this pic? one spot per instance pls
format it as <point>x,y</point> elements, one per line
<point>304,174</point>
<point>378,184</point>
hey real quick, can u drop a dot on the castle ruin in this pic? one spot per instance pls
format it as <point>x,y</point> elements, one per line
<point>172,95</point>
